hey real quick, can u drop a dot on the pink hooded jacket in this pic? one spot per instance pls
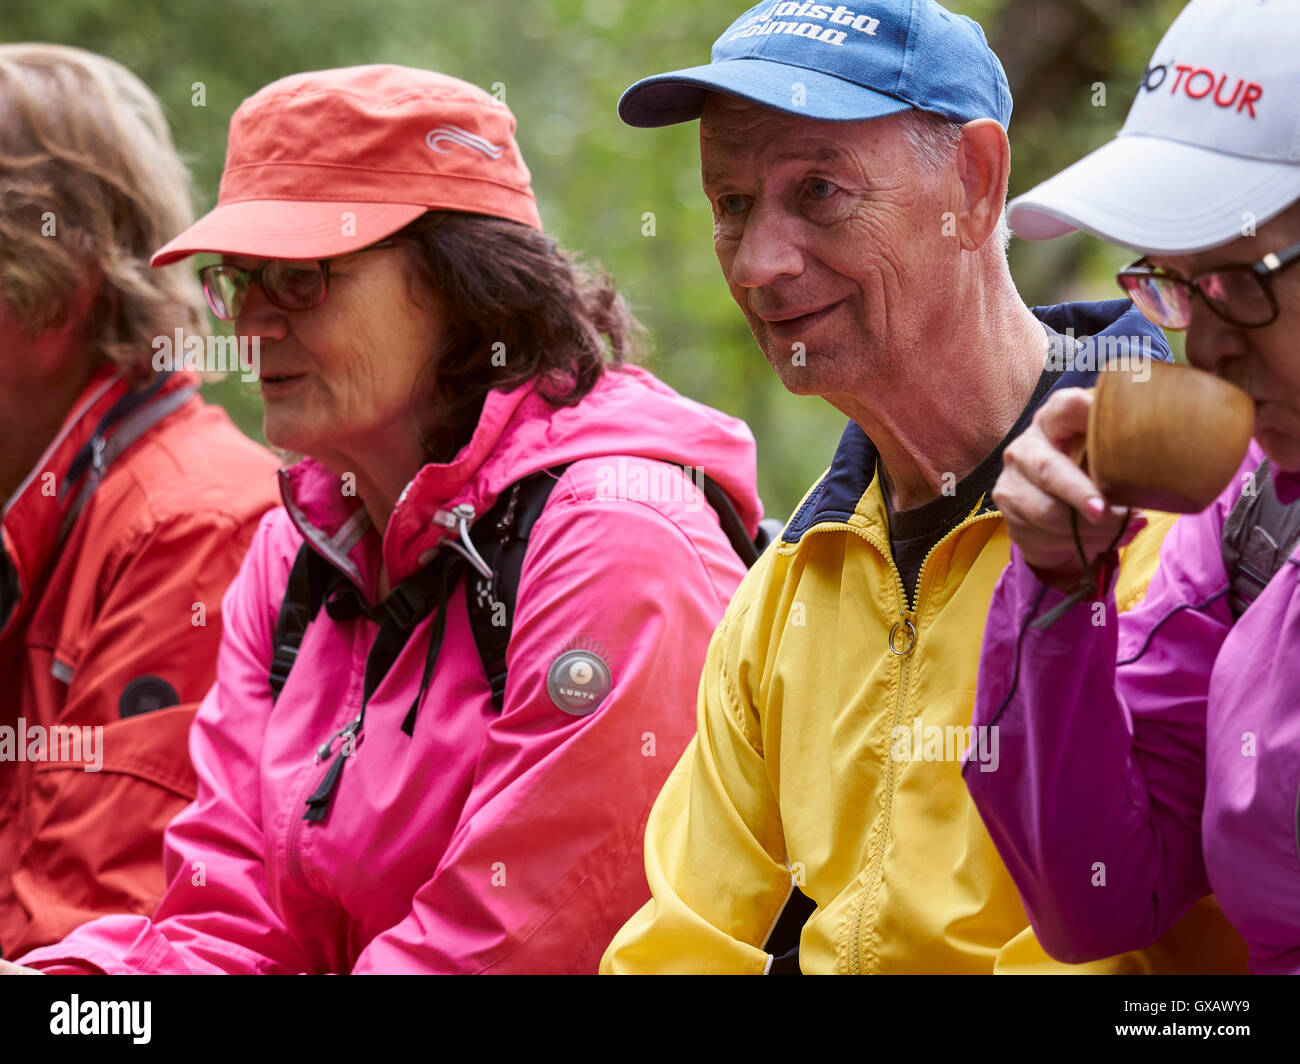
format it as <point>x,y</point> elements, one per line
<point>485,842</point>
<point>1127,791</point>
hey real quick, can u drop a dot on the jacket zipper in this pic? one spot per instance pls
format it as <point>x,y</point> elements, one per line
<point>310,788</point>
<point>902,634</point>
<point>313,783</point>
<point>295,833</point>
<point>907,617</point>
<point>319,801</point>
<point>320,791</point>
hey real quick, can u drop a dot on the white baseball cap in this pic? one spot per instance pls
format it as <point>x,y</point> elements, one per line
<point>1211,146</point>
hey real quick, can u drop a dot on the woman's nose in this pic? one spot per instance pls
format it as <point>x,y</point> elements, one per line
<point>258,316</point>
<point>1211,341</point>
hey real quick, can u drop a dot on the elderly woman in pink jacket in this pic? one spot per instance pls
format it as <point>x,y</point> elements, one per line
<point>461,659</point>
<point>1149,761</point>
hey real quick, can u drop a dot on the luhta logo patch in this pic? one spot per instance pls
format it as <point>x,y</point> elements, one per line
<point>579,678</point>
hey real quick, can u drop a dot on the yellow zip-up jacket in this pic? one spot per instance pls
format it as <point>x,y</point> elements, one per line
<point>828,762</point>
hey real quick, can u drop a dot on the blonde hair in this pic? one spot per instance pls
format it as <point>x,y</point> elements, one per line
<point>90,180</point>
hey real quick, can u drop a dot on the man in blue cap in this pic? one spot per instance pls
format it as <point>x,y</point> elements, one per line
<point>856,159</point>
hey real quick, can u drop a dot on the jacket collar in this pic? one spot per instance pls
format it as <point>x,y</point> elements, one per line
<point>33,516</point>
<point>336,523</point>
<point>845,487</point>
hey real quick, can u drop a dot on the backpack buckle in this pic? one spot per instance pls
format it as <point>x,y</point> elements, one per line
<point>281,665</point>
<point>402,608</point>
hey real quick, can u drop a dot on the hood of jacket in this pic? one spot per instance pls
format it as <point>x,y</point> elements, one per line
<point>629,412</point>
<point>1100,330</point>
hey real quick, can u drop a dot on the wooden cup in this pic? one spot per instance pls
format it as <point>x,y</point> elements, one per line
<point>1170,442</point>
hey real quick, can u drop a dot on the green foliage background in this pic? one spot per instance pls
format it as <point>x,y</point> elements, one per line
<point>563,65</point>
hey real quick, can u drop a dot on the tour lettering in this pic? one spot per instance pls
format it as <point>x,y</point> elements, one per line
<point>1200,83</point>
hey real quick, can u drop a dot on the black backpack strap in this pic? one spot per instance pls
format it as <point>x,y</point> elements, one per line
<point>309,580</point>
<point>9,589</point>
<point>491,602</point>
<point>502,540</point>
<point>423,593</point>
<point>134,414</point>
<point>748,549</point>
<point>1259,536</point>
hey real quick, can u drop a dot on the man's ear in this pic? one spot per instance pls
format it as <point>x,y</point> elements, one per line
<point>984,168</point>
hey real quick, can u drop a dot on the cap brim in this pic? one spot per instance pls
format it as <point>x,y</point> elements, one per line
<point>678,96</point>
<point>1157,196</point>
<point>288,229</point>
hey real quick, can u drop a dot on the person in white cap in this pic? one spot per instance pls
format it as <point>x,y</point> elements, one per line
<point>1147,763</point>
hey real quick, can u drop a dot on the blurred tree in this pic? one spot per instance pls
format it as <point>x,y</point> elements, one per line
<point>630,198</point>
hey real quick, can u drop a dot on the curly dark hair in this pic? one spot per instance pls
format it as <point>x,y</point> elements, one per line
<point>518,308</point>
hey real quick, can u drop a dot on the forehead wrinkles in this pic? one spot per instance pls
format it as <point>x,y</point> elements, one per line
<point>730,144</point>
<point>741,159</point>
<point>739,141</point>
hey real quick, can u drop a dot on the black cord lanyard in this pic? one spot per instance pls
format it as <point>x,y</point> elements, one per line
<point>1096,573</point>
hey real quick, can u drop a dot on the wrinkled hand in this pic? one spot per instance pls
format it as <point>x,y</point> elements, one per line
<point>1039,486</point>
<point>9,968</point>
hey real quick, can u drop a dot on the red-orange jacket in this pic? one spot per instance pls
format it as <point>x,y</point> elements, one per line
<point>112,622</point>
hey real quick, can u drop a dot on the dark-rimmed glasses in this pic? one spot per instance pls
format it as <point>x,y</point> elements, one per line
<point>1241,295</point>
<point>290,284</point>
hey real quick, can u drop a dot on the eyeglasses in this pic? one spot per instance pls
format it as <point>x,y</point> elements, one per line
<point>1241,295</point>
<point>290,284</point>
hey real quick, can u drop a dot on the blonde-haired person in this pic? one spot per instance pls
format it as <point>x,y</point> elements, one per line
<point>128,502</point>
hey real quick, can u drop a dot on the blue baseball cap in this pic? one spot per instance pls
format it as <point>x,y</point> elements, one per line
<point>837,62</point>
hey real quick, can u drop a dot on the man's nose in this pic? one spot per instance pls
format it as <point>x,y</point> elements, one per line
<point>768,249</point>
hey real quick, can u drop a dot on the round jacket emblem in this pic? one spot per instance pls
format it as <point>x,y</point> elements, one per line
<point>578,682</point>
<point>146,694</point>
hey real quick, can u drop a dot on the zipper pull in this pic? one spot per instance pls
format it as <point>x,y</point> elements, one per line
<point>323,751</point>
<point>319,803</point>
<point>902,637</point>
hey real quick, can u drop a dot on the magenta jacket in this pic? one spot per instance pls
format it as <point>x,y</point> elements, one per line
<point>1147,762</point>
<point>485,842</point>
